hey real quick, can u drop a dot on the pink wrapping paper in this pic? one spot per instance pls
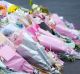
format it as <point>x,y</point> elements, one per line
<point>65,31</point>
<point>57,20</point>
<point>14,61</point>
<point>62,28</point>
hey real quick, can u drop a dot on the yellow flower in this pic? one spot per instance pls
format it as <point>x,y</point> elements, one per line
<point>12,8</point>
<point>30,11</point>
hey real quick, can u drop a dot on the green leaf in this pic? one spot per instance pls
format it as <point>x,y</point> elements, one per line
<point>30,2</point>
<point>44,9</point>
<point>77,47</point>
<point>67,57</point>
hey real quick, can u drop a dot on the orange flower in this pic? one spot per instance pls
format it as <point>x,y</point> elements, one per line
<point>3,9</point>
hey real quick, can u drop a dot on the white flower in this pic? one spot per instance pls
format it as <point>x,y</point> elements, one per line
<point>38,9</point>
<point>34,6</point>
